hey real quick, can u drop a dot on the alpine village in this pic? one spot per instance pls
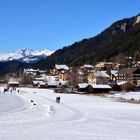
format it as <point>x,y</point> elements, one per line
<point>100,65</point>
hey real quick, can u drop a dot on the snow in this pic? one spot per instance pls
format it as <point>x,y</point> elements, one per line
<point>65,67</point>
<point>13,82</point>
<point>123,27</point>
<point>121,82</point>
<point>63,83</point>
<point>102,74</point>
<point>101,86</point>
<point>127,95</point>
<point>83,85</point>
<point>114,72</point>
<point>52,80</point>
<point>76,117</point>
<point>25,55</point>
<point>137,19</point>
<point>88,66</point>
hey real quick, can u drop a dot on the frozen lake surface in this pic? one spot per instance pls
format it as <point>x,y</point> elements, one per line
<point>33,114</point>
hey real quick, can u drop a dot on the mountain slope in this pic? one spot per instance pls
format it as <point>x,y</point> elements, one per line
<point>122,37</point>
<point>25,55</point>
<point>11,67</point>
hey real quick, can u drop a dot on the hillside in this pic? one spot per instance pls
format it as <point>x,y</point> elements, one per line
<point>122,37</point>
<point>11,67</point>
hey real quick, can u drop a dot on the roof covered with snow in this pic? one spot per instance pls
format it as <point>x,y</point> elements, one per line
<point>101,86</point>
<point>83,85</point>
<point>88,66</point>
<point>102,74</point>
<point>59,67</point>
<point>121,83</point>
<point>114,72</point>
<point>13,82</point>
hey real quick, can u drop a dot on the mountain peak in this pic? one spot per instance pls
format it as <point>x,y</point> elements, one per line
<point>25,55</point>
<point>25,52</point>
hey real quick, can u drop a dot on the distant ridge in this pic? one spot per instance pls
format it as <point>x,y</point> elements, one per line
<point>25,55</point>
<point>121,38</point>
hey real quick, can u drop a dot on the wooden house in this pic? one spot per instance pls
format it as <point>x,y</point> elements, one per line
<point>129,74</point>
<point>42,85</point>
<point>104,65</point>
<point>82,87</point>
<point>96,89</point>
<point>13,84</point>
<point>102,77</point>
<point>124,86</point>
<point>62,71</point>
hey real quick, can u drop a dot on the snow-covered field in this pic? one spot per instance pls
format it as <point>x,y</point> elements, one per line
<point>127,95</point>
<point>76,117</point>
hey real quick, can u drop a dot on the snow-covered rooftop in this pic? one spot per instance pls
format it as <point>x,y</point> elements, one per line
<point>83,85</point>
<point>101,86</point>
<point>59,67</point>
<point>88,66</point>
<point>121,83</point>
<point>13,82</point>
<point>42,83</point>
<point>102,74</point>
<point>114,72</point>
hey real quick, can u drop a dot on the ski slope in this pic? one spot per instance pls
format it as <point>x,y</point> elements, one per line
<point>76,117</point>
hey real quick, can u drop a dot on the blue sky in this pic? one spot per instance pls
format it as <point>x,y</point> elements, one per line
<point>53,24</point>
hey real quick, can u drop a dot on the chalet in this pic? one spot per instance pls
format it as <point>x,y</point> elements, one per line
<point>62,71</point>
<point>30,71</point>
<point>98,77</point>
<point>129,74</point>
<point>13,84</point>
<point>52,81</point>
<point>113,74</point>
<point>95,89</point>
<point>82,87</point>
<point>98,88</point>
<point>87,68</point>
<point>62,83</point>
<point>104,65</point>
<point>33,72</point>
<point>91,78</point>
<point>124,86</point>
<point>37,81</point>
<point>42,85</point>
<point>61,67</point>
<point>102,77</point>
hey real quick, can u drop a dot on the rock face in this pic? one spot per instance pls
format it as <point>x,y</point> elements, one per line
<point>137,19</point>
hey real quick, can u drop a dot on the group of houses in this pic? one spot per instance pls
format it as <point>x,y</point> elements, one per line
<point>58,77</point>
<point>104,78</point>
<point>101,78</point>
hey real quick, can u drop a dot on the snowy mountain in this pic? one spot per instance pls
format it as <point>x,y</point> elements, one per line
<point>25,55</point>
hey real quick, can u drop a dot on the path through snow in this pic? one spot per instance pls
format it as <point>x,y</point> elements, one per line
<point>76,117</point>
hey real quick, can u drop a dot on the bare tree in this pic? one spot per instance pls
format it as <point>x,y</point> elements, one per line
<point>27,79</point>
<point>74,77</point>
